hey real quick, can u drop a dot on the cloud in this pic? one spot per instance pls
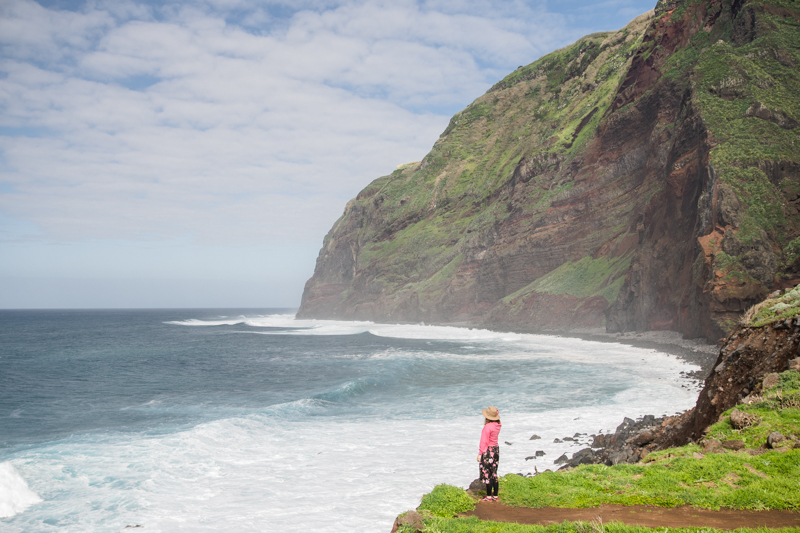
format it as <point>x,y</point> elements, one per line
<point>174,121</point>
<point>221,125</point>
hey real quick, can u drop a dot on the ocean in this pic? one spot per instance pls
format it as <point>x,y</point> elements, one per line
<point>224,420</point>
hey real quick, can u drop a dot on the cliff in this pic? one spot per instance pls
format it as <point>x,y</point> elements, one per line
<point>647,178</point>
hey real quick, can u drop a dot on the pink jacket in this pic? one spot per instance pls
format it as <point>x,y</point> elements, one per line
<point>489,436</point>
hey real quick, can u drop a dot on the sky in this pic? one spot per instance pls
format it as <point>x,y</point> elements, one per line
<point>195,154</point>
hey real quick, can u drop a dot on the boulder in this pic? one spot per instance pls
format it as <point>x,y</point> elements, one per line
<point>733,445</point>
<point>583,457</point>
<point>561,460</point>
<point>476,486</point>
<point>774,439</point>
<point>599,441</point>
<point>709,445</point>
<point>741,420</point>
<point>794,364</point>
<point>645,437</point>
<point>540,453</point>
<point>770,380</point>
<point>535,437</point>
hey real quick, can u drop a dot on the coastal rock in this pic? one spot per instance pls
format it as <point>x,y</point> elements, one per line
<point>476,486</point>
<point>645,437</point>
<point>775,438</point>
<point>710,445</point>
<point>754,356</point>
<point>411,519</point>
<point>561,460</point>
<point>535,437</point>
<point>540,453</point>
<point>794,364</point>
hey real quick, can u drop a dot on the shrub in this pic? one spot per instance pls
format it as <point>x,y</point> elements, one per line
<point>447,501</point>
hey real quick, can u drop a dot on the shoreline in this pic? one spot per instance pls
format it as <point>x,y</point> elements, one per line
<point>698,351</point>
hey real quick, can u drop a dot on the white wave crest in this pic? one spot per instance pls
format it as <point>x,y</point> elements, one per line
<point>15,496</point>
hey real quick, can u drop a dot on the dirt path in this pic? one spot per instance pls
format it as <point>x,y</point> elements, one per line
<point>639,515</point>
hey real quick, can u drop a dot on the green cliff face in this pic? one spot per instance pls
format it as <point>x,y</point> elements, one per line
<point>641,179</point>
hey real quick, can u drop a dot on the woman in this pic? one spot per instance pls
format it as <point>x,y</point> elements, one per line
<point>489,455</point>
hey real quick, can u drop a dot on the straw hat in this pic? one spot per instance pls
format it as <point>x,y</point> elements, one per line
<point>491,413</point>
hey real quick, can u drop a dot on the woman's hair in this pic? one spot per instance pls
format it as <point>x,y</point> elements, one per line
<point>487,421</point>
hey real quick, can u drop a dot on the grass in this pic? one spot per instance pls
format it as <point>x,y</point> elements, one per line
<point>584,278</point>
<point>474,525</point>
<point>757,479</point>
<point>447,500</point>
<point>668,480</point>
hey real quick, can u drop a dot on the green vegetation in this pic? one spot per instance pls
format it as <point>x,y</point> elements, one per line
<point>447,500</point>
<point>753,478</point>
<point>474,525</point>
<point>509,165</point>
<point>584,278</point>
<point>774,309</point>
<point>669,479</point>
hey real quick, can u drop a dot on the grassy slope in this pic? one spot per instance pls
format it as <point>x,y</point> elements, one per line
<point>677,476</point>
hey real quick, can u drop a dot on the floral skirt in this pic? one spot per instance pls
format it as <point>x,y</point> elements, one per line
<point>488,466</point>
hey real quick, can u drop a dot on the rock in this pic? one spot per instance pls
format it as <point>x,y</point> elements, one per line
<point>476,486</point>
<point>794,364</point>
<point>775,438</point>
<point>710,445</point>
<point>733,445</point>
<point>698,455</point>
<point>508,443</point>
<point>770,380</point>
<point>730,211</point>
<point>540,453</point>
<point>645,437</point>
<point>567,439</point>
<point>412,519</point>
<point>535,437</point>
<point>582,457</point>
<point>561,460</point>
<point>530,457</point>
<point>599,441</point>
<point>557,441</point>
<point>741,420</point>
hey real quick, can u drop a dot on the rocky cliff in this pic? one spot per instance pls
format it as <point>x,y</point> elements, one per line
<point>647,178</point>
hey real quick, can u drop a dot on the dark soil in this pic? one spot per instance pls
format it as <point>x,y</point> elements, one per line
<point>638,515</point>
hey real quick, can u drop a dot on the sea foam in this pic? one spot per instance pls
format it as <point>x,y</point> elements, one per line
<point>15,496</point>
<point>347,458</point>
